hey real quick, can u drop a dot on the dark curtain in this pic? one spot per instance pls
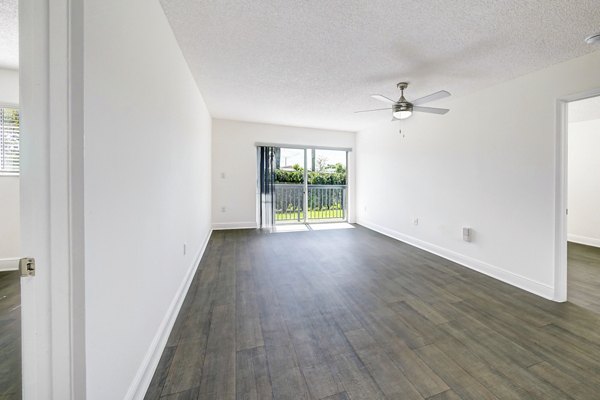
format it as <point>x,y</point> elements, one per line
<point>266,185</point>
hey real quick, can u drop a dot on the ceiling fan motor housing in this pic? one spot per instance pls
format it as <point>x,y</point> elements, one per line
<point>402,109</point>
<point>402,106</point>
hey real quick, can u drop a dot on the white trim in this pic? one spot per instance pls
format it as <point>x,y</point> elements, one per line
<point>480,266</point>
<point>561,191</point>
<point>588,241</point>
<point>560,217</point>
<point>9,264</point>
<point>66,198</point>
<point>51,188</point>
<point>234,225</point>
<point>143,377</point>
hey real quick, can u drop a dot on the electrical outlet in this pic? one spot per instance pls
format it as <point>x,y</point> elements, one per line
<point>223,209</point>
<point>184,249</point>
<point>222,175</point>
<point>415,221</point>
<point>467,234</point>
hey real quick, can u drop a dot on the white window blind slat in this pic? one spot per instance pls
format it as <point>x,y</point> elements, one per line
<point>9,140</point>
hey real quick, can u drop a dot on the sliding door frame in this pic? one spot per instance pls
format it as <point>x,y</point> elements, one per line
<point>305,186</point>
<point>305,148</point>
<point>302,146</point>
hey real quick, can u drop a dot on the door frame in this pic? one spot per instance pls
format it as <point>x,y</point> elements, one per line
<point>304,181</point>
<point>561,193</point>
<point>51,190</point>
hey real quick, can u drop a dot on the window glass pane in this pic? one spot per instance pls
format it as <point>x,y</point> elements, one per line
<point>9,140</point>
<point>330,167</point>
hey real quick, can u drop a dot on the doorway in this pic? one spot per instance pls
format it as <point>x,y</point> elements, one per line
<point>583,197</point>
<point>310,185</point>
<point>10,278</point>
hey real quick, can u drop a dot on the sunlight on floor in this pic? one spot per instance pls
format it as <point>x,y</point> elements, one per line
<point>311,227</point>
<point>290,228</point>
<point>325,227</point>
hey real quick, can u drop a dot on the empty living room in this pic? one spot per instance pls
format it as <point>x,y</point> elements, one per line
<point>329,200</point>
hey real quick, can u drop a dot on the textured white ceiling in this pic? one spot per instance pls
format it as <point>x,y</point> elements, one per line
<point>9,34</point>
<point>584,110</point>
<point>314,62</point>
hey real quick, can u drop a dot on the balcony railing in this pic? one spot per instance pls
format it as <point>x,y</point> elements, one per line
<point>325,203</point>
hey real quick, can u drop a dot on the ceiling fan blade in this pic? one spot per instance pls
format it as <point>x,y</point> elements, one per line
<point>431,110</point>
<point>434,96</point>
<point>377,109</point>
<point>383,98</point>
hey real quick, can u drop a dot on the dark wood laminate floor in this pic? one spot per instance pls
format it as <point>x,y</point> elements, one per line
<point>584,276</point>
<point>10,335</point>
<point>351,314</point>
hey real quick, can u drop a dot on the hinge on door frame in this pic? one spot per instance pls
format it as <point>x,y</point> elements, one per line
<point>27,266</point>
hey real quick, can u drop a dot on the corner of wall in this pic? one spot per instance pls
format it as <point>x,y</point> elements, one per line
<point>588,241</point>
<point>141,382</point>
<point>493,271</point>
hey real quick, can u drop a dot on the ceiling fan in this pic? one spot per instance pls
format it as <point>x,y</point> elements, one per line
<point>403,108</point>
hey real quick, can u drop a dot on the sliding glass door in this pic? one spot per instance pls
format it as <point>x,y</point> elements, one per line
<point>290,185</point>
<point>327,189</point>
<point>310,185</point>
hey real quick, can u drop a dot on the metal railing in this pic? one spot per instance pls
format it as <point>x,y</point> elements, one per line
<point>325,203</point>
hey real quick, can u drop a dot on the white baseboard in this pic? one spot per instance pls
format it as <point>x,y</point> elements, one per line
<point>583,240</point>
<point>141,382</point>
<point>501,274</point>
<point>234,225</point>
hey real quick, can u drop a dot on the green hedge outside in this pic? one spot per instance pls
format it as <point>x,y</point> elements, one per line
<point>333,175</point>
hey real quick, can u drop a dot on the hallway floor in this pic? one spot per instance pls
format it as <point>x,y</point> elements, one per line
<point>584,276</point>
<point>10,335</point>
<point>352,314</point>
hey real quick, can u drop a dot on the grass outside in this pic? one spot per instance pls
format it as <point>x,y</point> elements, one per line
<point>324,214</point>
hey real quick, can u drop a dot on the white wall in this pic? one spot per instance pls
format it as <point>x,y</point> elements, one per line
<point>147,190</point>
<point>488,164</point>
<point>9,87</point>
<point>584,182</point>
<point>234,154</point>
<point>9,185</point>
<point>9,217</point>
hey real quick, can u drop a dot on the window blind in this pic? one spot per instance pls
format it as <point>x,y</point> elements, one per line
<point>9,140</point>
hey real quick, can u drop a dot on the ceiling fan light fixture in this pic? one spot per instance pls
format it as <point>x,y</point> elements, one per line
<point>402,114</point>
<point>592,39</point>
<point>402,109</point>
